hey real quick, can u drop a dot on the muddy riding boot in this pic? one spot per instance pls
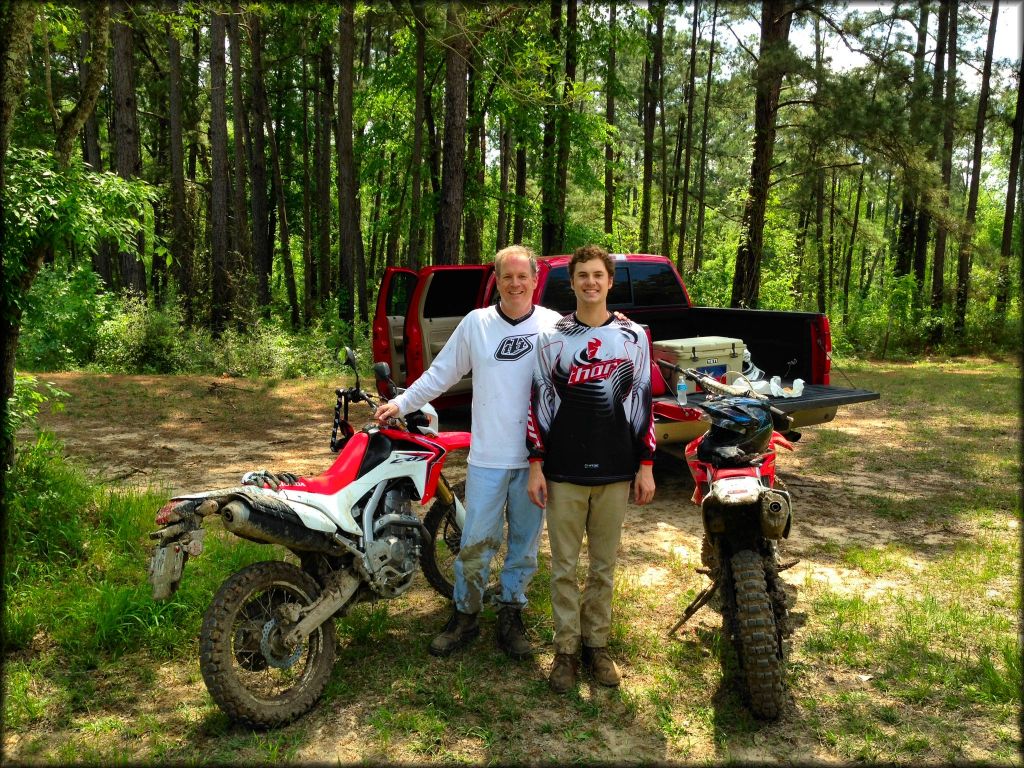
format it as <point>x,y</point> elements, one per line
<point>512,633</point>
<point>563,673</point>
<point>460,631</point>
<point>600,664</point>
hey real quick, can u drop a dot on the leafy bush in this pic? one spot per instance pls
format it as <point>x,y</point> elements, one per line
<point>138,338</point>
<point>46,498</point>
<point>63,312</point>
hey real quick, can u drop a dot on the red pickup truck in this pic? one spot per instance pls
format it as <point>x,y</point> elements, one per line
<point>417,312</point>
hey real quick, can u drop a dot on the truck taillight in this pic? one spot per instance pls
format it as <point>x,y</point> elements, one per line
<point>821,352</point>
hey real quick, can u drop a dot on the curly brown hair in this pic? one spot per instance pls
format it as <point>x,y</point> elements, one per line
<point>586,253</point>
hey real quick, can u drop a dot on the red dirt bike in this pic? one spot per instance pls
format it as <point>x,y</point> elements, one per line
<point>266,646</point>
<point>745,511</point>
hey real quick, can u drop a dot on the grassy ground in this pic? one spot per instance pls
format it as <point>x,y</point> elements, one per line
<point>906,649</point>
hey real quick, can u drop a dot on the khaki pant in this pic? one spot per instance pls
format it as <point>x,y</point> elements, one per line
<point>598,511</point>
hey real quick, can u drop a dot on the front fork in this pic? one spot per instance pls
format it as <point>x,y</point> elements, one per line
<point>448,497</point>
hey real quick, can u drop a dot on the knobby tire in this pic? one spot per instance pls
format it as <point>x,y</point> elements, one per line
<point>235,670</point>
<point>757,639</point>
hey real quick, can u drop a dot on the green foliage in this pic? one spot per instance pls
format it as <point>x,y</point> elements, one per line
<point>47,205</point>
<point>138,338</point>
<point>63,314</point>
<point>23,407</point>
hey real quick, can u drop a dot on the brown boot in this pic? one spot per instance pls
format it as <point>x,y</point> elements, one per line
<point>512,633</point>
<point>461,630</point>
<point>601,666</point>
<point>563,673</point>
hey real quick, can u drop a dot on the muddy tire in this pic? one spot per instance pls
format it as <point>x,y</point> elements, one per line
<point>756,635</point>
<point>253,680</point>
<point>440,552</point>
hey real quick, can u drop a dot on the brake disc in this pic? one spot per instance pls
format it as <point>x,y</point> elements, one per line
<point>268,652</point>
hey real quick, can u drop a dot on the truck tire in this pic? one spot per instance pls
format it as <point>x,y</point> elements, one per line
<point>438,558</point>
<point>251,680</point>
<point>756,635</point>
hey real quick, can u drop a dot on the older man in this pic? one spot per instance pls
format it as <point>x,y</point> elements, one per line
<point>497,344</point>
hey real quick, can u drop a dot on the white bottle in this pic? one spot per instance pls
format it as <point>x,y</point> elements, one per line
<point>681,391</point>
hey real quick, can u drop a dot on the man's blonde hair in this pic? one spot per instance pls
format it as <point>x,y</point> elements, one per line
<point>515,250</point>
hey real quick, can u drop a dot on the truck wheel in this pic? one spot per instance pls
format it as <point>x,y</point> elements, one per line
<point>254,679</point>
<point>438,559</point>
<point>756,636</point>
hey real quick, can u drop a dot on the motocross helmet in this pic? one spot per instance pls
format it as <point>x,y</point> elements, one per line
<point>741,427</point>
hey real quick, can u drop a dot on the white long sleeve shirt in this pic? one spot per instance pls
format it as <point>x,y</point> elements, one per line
<point>500,352</point>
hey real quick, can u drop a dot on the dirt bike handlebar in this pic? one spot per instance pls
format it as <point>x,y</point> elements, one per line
<point>710,384</point>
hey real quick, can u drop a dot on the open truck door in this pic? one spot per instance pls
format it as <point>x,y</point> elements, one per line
<point>396,290</point>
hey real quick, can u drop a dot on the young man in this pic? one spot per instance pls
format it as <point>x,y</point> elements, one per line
<point>498,344</point>
<point>590,431</point>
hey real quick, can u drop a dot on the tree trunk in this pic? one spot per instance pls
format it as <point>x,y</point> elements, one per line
<point>848,258</point>
<point>905,244</point>
<point>1003,285</point>
<point>776,17</point>
<point>650,105</point>
<point>322,152</point>
<point>181,242</point>
<point>549,194</point>
<point>454,168</point>
<point>127,154</point>
<point>348,212</point>
<point>691,94</point>
<point>518,223</point>
<point>221,300</point>
<point>565,111</point>
<point>963,272</point>
<point>101,255</point>
<point>949,116</point>
<point>308,268</point>
<point>262,243</point>
<point>415,233</point>
<point>282,214</point>
<point>698,245</point>
<point>472,221</point>
<point>242,246</point>
<point>98,31</point>
<point>819,234</point>
<point>609,116</point>
<point>16,22</point>
<point>501,234</point>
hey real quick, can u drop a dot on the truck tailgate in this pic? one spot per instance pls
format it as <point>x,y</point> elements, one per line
<point>817,405</point>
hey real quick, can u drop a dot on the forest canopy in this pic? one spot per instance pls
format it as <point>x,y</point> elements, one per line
<point>857,160</point>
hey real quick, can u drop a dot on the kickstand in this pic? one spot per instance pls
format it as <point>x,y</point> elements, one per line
<point>694,606</point>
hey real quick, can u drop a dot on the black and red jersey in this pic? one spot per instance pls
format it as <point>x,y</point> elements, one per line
<point>590,415</point>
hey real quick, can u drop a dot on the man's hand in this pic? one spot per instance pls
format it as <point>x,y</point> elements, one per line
<point>537,485</point>
<point>643,487</point>
<point>386,411</point>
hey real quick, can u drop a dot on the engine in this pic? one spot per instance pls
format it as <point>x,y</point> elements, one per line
<point>394,553</point>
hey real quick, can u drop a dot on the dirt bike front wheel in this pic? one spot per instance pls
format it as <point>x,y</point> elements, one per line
<point>441,551</point>
<point>757,637</point>
<point>253,677</point>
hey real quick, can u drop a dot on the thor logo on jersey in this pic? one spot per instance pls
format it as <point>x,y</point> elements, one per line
<point>599,371</point>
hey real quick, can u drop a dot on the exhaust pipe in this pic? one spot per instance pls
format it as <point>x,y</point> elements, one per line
<point>242,520</point>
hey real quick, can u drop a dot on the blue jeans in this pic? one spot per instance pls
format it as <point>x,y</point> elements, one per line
<point>487,492</point>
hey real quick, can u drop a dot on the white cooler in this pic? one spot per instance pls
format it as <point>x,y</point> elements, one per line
<point>712,355</point>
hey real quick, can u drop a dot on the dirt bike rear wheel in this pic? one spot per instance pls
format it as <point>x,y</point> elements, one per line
<point>440,552</point>
<point>251,679</point>
<point>756,635</point>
